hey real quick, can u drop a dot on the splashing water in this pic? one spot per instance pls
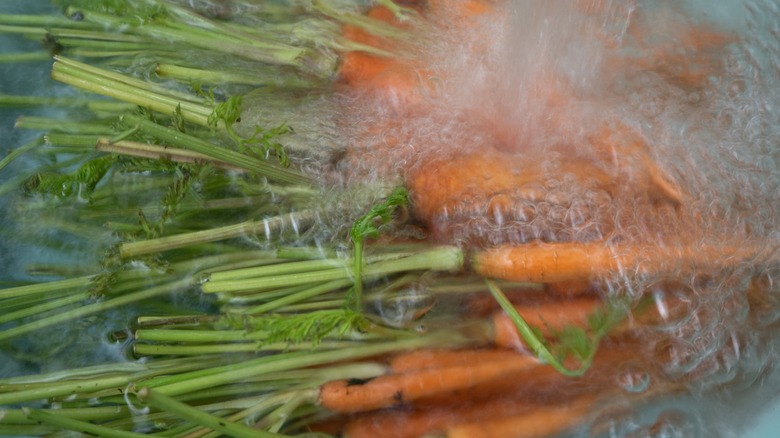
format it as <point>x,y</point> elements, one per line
<point>644,123</point>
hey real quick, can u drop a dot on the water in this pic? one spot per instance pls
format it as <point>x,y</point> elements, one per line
<point>539,81</point>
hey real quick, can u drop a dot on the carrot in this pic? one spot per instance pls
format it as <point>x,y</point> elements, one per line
<point>546,318</point>
<point>452,192</point>
<point>397,389</point>
<point>427,359</point>
<point>539,423</point>
<point>557,262</point>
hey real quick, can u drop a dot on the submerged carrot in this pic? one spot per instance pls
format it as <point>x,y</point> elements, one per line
<point>428,359</point>
<point>539,423</point>
<point>398,389</point>
<point>558,262</point>
<point>546,318</point>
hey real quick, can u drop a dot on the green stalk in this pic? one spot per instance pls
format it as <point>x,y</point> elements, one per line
<point>87,71</point>
<point>90,309</point>
<point>198,336</point>
<point>532,340</point>
<point>47,21</point>
<point>438,259</point>
<point>107,87</point>
<point>270,52</point>
<point>280,268</point>
<point>14,58</point>
<point>167,243</point>
<point>168,404</point>
<point>189,382</point>
<point>198,350</point>
<point>64,389</point>
<point>41,308</point>
<point>156,152</point>
<point>297,297</point>
<point>184,141</point>
<point>14,154</point>
<point>47,124</point>
<point>79,426</point>
<point>43,288</point>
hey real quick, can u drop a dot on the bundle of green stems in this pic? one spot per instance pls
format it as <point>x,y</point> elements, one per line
<point>150,175</point>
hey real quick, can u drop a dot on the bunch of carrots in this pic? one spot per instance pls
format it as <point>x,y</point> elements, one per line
<point>502,388</point>
<point>559,316</point>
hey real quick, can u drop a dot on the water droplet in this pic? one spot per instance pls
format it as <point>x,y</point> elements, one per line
<point>633,378</point>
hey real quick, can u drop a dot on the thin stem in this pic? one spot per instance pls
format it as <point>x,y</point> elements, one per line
<point>530,338</point>
<point>189,382</point>
<point>90,309</point>
<point>196,144</point>
<point>168,404</point>
<point>79,426</point>
<point>14,154</point>
<point>167,243</point>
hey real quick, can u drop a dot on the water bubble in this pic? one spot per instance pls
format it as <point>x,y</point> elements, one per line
<point>674,423</point>
<point>615,421</point>
<point>403,308</point>
<point>674,304</point>
<point>633,378</point>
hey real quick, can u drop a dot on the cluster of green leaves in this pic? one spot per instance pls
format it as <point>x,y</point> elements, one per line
<point>82,181</point>
<point>368,227</point>
<point>312,327</point>
<point>140,12</point>
<point>261,143</point>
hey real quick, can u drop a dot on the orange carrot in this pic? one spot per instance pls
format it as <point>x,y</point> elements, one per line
<point>427,359</point>
<point>397,389</point>
<point>546,317</point>
<point>539,423</point>
<point>556,262</point>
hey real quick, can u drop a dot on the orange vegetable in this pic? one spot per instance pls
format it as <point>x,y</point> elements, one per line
<point>397,389</point>
<point>428,359</point>
<point>557,262</point>
<point>539,423</point>
<point>546,317</point>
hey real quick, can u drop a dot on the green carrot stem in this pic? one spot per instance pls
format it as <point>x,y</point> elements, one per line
<point>198,350</point>
<point>165,403</point>
<point>60,389</point>
<point>41,308</point>
<point>263,51</point>
<point>175,138</point>
<point>189,382</point>
<point>156,152</point>
<point>72,140</point>
<point>437,259</point>
<point>47,124</point>
<point>87,71</point>
<point>199,336</point>
<point>117,90</point>
<point>47,21</point>
<point>532,340</point>
<point>297,297</point>
<point>90,309</point>
<point>18,416</point>
<point>279,268</point>
<point>21,150</point>
<point>79,426</point>
<point>267,226</point>
<point>14,58</point>
<point>43,288</point>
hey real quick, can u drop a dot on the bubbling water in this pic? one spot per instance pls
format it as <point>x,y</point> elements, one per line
<point>645,123</point>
